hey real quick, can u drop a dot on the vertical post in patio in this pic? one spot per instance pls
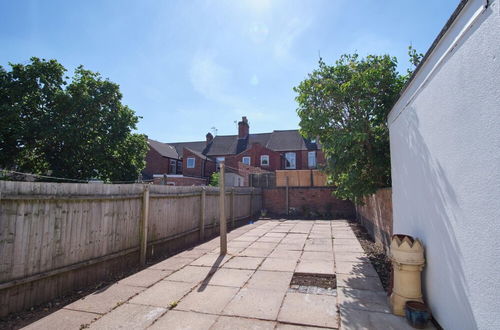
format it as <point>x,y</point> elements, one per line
<point>232,209</point>
<point>222,207</point>
<point>144,225</point>
<point>286,196</point>
<point>203,204</point>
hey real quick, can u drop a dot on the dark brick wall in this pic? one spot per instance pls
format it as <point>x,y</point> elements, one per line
<point>156,163</point>
<point>306,200</point>
<point>182,181</point>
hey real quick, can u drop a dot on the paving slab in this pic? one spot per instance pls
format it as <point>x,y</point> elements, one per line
<point>270,280</point>
<point>263,245</point>
<point>265,239</point>
<point>232,323</point>
<point>255,303</point>
<point>207,299</point>
<point>359,282</point>
<point>310,310</point>
<point>129,316</point>
<point>316,266</point>
<point>359,320</point>
<point>145,278</point>
<point>348,248</point>
<point>211,260</point>
<point>181,320</point>
<point>285,254</point>
<point>316,255</point>
<point>230,277</point>
<point>192,274</point>
<point>283,326</point>
<point>193,253</point>
<point>355,268</point>
<point>244,263</point>
<point>105,299</point>
<point>374,301</point>
<point>279,264</point>
<point>351,256</point>
<point>63,319</point>
<point>252,252</point>
<point>163,294</point>
<point>290,247</point>
<point>173,263</point>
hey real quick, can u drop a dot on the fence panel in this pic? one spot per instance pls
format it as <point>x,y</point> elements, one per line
<point>55,237</point>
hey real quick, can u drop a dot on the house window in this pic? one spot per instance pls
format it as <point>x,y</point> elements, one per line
<point>264,160</point>
<point>173,166</point>
<point>218,160</point>
<point>311,159</point>
<point>290,160</point>
<point>246,160</point>
<point>190,162</point>
<point>179,166</point>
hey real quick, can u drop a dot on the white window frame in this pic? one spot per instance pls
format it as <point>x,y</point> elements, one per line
<point>262,158</point>
<point>249,160</point>
<point>194,162</point>
<point>291,160</point>
<point>313,163</point>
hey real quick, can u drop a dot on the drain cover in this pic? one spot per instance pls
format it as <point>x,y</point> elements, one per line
<point>314,284</point>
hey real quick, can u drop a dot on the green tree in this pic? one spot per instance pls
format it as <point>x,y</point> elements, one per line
<point>214,179</point>
<point>346,105</point>
<point>74,128</point>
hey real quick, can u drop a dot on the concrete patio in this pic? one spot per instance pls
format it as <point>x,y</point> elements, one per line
<point>247,289</point>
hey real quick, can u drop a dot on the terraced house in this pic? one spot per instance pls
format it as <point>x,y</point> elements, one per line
<point>192,163</point>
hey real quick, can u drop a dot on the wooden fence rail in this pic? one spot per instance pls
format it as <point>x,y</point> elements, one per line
<point>57,237</point>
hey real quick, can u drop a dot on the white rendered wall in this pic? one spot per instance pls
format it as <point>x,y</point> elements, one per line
<point>445,155</point>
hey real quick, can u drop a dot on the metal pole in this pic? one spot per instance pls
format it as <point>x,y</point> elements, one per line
<point>222,207</point>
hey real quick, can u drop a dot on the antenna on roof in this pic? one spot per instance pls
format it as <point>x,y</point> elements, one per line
<point>214,130</point>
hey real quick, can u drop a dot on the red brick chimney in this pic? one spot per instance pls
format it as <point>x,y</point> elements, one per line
<point>243,128</point>
<point>209,137</point>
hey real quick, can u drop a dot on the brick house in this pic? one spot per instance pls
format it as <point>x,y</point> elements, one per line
<point>278,150</point>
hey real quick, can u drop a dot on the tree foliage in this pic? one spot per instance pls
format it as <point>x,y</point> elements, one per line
<point>214,179</point>
<point>74,128</point>
<point>346,105</point>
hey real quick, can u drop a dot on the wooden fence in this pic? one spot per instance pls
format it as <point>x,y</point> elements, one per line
<point>57,237</point>
<point>300,178</point>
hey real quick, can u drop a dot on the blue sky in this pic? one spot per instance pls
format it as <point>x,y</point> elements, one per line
<point>187,66</point>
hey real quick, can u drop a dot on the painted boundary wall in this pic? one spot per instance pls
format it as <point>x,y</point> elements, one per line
<point>59,237</point>
<point>445,156</point>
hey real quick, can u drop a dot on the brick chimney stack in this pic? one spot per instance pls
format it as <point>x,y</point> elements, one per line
<point>209,137</point>
<point>243,128</point>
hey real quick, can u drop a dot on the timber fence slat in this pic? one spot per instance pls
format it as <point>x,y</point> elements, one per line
<point>48,230</point>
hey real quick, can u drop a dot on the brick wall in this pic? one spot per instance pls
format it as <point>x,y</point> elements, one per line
<point>245,171</point>
<point>202,167</point>
<point>156,163</point>
<point>376,215</point>
<point>307,201</point>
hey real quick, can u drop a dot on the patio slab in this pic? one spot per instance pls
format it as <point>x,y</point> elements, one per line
<point>128,316</point>
<point>247,289</point>
<point>105,299</point>
<point>180,320</point>
<point>310,309</point>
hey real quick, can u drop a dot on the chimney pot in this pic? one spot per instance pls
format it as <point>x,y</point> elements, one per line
<point>209,137</point>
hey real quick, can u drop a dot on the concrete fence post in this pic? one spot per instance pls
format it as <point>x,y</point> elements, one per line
<point>232,209</point>
<point>144,225</point>
<point>222,207</point>
<point>286,196</point>
<point>203,203</point>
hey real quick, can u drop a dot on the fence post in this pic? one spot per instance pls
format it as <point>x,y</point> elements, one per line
<point>251,201</point>
<point>202,212</point>
<point>286,196</point>
<point>232,208</point>
<point>222,207</point>
<point>144,225</point>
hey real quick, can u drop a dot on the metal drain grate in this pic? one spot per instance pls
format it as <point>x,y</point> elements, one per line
<point>314,284</point>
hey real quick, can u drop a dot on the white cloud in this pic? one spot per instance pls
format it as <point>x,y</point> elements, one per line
<point>215,83</point>
<point>286,40</point>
